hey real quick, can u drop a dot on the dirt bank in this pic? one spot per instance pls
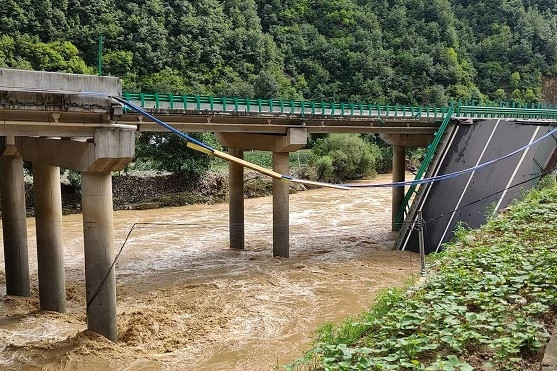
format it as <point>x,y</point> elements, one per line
<point>154,191</point>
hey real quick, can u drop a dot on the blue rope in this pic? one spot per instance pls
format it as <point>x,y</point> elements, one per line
<point>162,123</point>
<point>437,178</point>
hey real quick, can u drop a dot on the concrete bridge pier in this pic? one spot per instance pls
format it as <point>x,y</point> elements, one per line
<point>236,201</point>
<point>399,169</point>
<point>109,150</point>
<point>50,248</point>
<point>281,206</point>
<point>98,237</point>
<point>400,142</point>
<point>281,146</point>
<point>14,223</point>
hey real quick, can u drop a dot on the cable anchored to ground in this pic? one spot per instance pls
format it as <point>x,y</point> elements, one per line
<point>134,225</point>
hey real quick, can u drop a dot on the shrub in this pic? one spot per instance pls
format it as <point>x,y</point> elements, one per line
<point>344,156</point>
<point>168,152</point>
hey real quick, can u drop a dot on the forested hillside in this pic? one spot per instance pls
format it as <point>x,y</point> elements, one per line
<point>397,51</point>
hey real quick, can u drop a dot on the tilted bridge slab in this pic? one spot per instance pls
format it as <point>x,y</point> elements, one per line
<point>472,198</point>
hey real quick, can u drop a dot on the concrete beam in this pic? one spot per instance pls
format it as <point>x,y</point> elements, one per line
<point>11,79</point>
<point>32,129</point>
<point>111,150</point>
<point>50,249</point>
<point>232,124</point>
<point>295,139</point>
<point>60,93</point>
<point>281,221</point>
<point>14,222</point>
<point>236,201</point>
<point>407,140</point>
<point>98,238</point>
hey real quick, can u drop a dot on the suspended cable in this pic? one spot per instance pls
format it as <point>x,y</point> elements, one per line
<point>196,145</point>
<point>134,225</point>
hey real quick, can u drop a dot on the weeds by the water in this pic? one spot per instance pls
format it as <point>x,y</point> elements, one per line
<point>487,303</point>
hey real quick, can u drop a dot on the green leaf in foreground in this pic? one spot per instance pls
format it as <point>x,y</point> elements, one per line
<point>486,303</point>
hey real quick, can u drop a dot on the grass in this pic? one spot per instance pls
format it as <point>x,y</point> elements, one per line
<point>487,303</point>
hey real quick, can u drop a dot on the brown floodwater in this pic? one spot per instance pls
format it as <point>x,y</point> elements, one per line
<point>187,302</point>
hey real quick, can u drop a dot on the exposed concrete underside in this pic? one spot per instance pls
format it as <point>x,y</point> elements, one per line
<point>470,197</point>
<point>279,123</point>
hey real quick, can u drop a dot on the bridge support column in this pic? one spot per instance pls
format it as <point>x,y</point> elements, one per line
<point>281,222</point>
<point>50,249</point>
<point>400,142</point>
<point>280,145</point>
<point>236,202</point>
<point>98,230</point>
<point>14,223</point>
<point>399,167</point>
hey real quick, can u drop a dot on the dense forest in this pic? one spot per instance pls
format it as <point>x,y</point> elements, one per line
<point>396,51</point>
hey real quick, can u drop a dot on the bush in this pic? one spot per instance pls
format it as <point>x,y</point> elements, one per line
<point>384,163</point>
<point>168,152</point>
<point>324,168</point>
<point>344,156</point>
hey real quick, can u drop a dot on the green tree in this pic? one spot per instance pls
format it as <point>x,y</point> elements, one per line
<point>169,153</point>
<point>348,154</point>
<point>265,86</point>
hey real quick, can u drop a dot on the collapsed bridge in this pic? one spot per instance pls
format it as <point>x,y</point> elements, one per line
<point>507,155</point>
<point>77,122</point>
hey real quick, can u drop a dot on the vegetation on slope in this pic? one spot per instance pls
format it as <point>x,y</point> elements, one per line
<point>397,51</point>
<point>385,51</point>
<point>488,303</point>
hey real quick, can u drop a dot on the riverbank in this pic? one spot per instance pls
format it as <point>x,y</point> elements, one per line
<point>141,191</point>
<point>489,302</point>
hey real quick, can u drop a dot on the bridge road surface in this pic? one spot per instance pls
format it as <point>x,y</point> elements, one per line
<point>447,203</point>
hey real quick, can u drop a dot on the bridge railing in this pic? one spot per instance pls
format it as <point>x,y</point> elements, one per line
<point>277,106</point>
<point>430,153</point>
<point>506,112</point>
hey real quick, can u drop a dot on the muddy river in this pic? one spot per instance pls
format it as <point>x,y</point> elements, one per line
<point>187,302</point>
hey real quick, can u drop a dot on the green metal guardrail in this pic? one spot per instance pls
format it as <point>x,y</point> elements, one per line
<point>506,112</point>
<point>463,108</point>
<point>200,102</point>
<point>431,149</point>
